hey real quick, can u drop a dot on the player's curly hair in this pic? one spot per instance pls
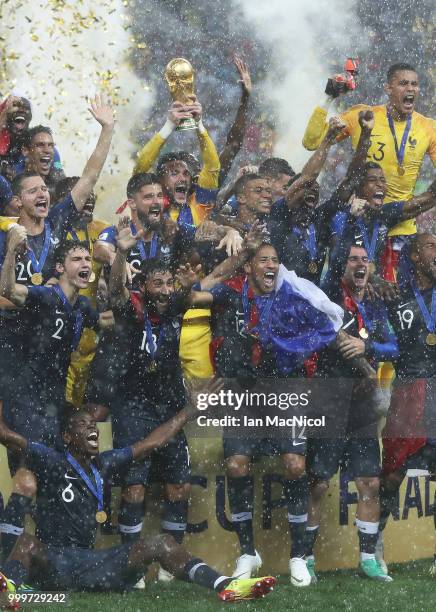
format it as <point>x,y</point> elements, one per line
<point>66,246</point>
<point>151,266</point>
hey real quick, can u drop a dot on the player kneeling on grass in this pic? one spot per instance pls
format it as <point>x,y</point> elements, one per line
<point>70,506</point>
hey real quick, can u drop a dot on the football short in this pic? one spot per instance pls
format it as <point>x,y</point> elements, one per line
<point>423,459</point>
<point>169,464</point>
<point>82,569</point>
<point>405,431</point>
<point>253,447</point>
<point>359,457</point>
<point>195,340</point>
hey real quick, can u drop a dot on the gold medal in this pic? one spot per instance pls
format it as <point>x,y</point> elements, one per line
<point>312,267</point>
<point>91,278</point>
<point>36,278</point>
<point>431,339</point>
<point>400,170</point>
<point>152,366</point>
<point>101,516</point>
<point>371,267</point>
<point>363,333</point>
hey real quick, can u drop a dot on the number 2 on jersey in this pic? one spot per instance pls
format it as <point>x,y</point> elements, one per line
<point>59,327</point>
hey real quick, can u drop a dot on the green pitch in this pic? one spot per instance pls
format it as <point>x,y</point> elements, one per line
<point>412,589</point>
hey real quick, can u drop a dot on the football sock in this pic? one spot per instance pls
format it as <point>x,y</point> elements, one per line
<point>12,521</point>
<point>174,519</point>
<point>368,534</point>
<point>130,521</point>
<point>311,536</point>
<point>296,494</point>
<point>241,507</point>
<point>388,502</point>
<point>198,572</point>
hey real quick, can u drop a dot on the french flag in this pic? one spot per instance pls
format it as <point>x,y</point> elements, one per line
<point>303,320</point>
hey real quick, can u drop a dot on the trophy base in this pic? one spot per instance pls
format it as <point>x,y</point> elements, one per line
<point>186,124</point>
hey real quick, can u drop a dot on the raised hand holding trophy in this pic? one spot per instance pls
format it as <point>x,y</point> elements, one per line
<point>179,74</point>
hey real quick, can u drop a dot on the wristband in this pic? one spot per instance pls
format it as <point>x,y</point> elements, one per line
<point>167,129</point>
<point>200,127</point>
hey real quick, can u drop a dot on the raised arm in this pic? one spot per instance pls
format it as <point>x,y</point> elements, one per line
<point>356,168</point>
<point>317,125</point>
<point>315,164</point>
<point>227,268</point>
<point>9,289</point>
<point>150,151</point>
<point>235,137</point>
<point>421,203</point>
<point>118,293</point>
<point>162,434</point>
<point>102,113</point>
<point>209,174</point>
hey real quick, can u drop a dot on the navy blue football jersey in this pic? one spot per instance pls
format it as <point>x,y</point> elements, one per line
<point>66,508</point>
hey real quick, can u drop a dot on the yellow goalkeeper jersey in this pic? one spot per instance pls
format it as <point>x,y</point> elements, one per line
<point>421,140</point>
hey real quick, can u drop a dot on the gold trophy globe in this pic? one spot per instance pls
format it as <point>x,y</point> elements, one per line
<point>179,75</point>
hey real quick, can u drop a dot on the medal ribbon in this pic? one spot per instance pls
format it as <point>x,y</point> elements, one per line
<point>429,317</point>
<point>96,490</point>
<point>254,321</point>
<point>402,149</point>
<point>141,246</point>
<point>370,247</point>
<point>78,322</point>
<point>38,265</point>
<point>352,306</point>
<point>185,216</point>
<point>310,241</point>
<point>368,324</point>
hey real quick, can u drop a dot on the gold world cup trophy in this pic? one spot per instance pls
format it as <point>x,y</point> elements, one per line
<point>179,75</point>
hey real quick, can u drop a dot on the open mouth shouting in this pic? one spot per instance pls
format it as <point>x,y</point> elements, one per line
<point>41,206</point>
<point>181,192</point>
<point>154,214</point>
<point>45,162</point>
<point>269,279</point>
<point>310,199</point>
<point>359,276</point>
<point>409,102</point>
<point>92,440</point>
<point>378,197</point>
<point>84,275</point>
<point>19,121</point>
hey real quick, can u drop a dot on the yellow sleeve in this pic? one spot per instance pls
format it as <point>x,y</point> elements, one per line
<point>208,178</point>
<point>316,129</point>
<point>6,222</point>
<point>432,145</point>
<point>149,154</point>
